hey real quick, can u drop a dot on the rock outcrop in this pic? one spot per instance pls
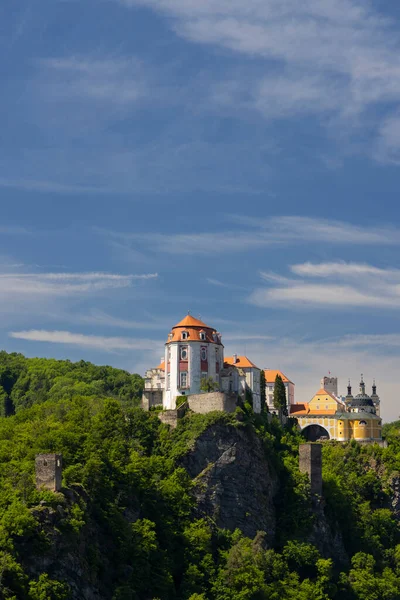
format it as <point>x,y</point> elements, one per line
<point>235,484</point>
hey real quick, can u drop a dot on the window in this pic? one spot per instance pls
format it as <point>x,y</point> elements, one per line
<point>183,378</point>
<point>326,406</point>
<point>184,353</point>
<point>204,374</point>
<point>362,422</point>
<point>184,335</point>
<point>169,352</point>
<point>203,353</point>
<point>202,335</point>
<point>317,406</point>
<point>169,381</point>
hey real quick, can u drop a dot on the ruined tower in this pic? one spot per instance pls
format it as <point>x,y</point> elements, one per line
<point>310,462</point>
<point>48,471</point>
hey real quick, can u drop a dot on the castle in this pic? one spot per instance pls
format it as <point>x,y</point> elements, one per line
<point>194,368</point>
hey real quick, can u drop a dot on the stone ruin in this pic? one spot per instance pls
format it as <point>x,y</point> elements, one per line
<point>48,471</point>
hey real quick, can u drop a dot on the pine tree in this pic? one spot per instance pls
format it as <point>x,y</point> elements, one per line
<point>280,402</point>
<point>263,392</point>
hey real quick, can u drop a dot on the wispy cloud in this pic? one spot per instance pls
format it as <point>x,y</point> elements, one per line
<point>344,285</point>
<point>253,234</point>
<point>296,228</point>
<point>98,342</point>
<point>120,80</point>
<point>63,284</point>
<point>49,186</point>
<point>334,58</point>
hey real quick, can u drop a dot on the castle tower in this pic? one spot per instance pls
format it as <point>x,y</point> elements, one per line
<point>310,462</point>
<point>48,471</point>
<point>193,351</point>
<point>330,384</point>
<point>375,399</point>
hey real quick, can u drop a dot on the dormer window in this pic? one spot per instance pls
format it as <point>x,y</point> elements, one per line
<point>202,336</point>
<point>184,335</point>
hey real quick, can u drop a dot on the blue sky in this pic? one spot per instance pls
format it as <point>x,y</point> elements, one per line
<point>238,160</point>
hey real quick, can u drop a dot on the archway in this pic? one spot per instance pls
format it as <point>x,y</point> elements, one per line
<point>313,433</point>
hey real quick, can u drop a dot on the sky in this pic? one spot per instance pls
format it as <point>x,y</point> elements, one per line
<point>238,160</point>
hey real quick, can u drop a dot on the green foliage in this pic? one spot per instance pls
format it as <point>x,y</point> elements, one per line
<point>208,384</point>
<point>280,401</point>
<point>128,513</point>
<point>263,392</point>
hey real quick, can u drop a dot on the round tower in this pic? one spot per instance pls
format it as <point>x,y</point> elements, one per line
<point>193,351</point>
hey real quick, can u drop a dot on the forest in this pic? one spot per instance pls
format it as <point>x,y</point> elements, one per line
<point>125,526</point>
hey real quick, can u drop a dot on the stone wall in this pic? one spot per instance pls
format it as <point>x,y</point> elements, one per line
<point>48,471</point>
<point>171,417</point>
<point>207,402</point>
<point>310,462</point>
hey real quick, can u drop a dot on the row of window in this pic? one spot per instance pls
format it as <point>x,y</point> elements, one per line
<point>184,353</point>
<point>185,335</point>
<point>183,379</point>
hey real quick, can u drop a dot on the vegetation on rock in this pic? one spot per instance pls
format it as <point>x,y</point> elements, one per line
<point>125,526</point>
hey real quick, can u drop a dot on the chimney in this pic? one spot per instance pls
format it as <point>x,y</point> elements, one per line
<point>234,359</point>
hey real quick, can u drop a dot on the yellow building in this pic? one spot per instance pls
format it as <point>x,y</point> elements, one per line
<point>328,417</point>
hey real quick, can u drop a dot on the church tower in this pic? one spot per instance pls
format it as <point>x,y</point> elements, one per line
<point>193,351</point>
<point>375,399</point>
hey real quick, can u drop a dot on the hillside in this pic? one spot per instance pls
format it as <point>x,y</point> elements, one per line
<point>214,510</point>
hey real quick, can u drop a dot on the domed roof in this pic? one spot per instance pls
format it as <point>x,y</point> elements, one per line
<point>190,321</point>
<point>361,400</point>
<point>194,330</point>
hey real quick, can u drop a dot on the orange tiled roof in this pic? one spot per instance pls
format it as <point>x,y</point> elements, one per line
<point>190,321</point>
<point>304,409</point>
<point>161,365</point>
<point>193,334</point>
<point>270,376</point>
<point>241,362</point>
<point>299,408</point>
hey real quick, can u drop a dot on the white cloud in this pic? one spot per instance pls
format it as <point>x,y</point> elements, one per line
<point>63,284</point>
<point>338,58</point>
<point>253,235</point>
<point>369,287</point>
<point>343,269</point>
<point>295,228</point>
<point>107,344</point>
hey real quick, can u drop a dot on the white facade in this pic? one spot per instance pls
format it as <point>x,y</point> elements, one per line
<point>270,386</point>
<point>193,352</point>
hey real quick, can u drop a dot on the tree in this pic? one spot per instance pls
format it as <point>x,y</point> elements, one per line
<point>208,384</point>
<point>263,392</point>
<point>280,402</point>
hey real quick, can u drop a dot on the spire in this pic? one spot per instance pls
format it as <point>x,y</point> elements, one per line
<point>374,388</point>
<point>362,385</point>
<point>349,388</point>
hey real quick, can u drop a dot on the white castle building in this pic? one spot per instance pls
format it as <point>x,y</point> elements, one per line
<point>194,355</point>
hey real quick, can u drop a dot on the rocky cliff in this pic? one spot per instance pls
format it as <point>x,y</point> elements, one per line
<point>235,484</point>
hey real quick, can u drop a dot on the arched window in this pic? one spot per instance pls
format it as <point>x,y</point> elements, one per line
<point>362,422</point>
<point>203,353</point>
<point>184,335</point>
<point>184,353</point>
<point>202,336</point>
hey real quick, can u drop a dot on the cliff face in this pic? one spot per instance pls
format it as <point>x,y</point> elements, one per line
<point>235,483</point>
